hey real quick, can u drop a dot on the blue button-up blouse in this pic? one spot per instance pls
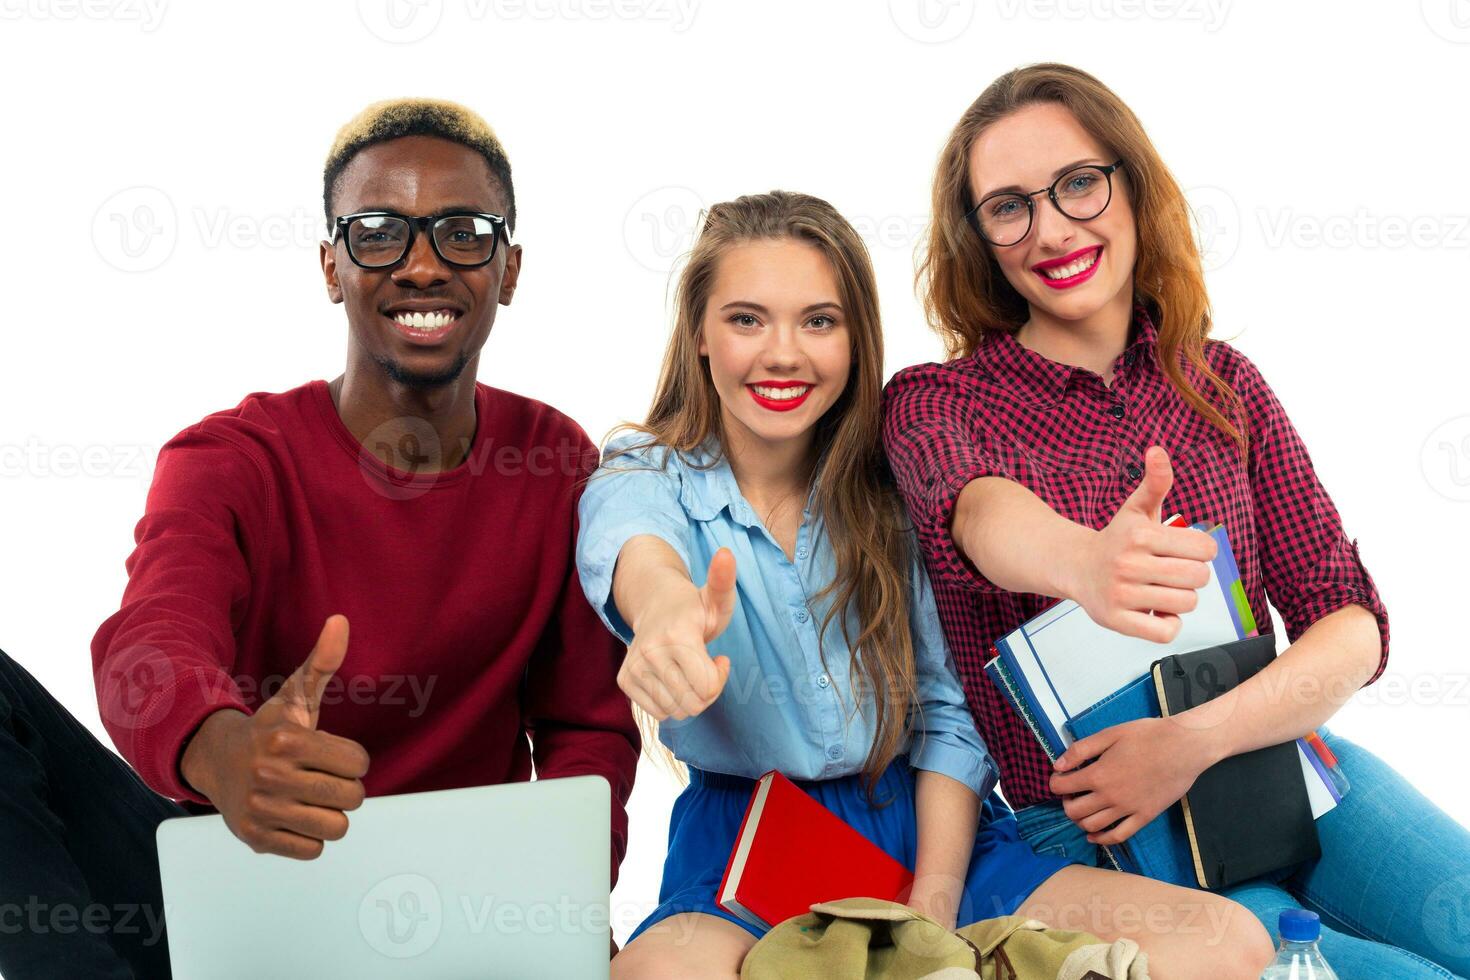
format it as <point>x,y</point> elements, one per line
<point>782,708</point>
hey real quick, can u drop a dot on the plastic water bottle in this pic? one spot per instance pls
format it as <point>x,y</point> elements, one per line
<point>1298,957</point>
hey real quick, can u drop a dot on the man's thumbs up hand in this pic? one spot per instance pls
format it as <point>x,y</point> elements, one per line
<point>300,698</point>
<point>282,786</point>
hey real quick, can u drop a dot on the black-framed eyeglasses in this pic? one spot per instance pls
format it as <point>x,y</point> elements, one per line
<point>379,239</point>
<point>1082,193</point>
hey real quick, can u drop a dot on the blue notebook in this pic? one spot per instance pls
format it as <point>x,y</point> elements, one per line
<point>1160,848</point>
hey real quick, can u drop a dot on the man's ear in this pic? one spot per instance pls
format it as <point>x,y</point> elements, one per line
<point>512,273</point>
<point>329,271</point>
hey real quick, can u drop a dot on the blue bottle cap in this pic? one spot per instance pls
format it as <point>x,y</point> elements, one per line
<point>1299,926</point>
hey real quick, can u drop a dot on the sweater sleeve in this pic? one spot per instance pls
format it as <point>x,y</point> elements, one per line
<point>162,662</point>
<point>579,720</point>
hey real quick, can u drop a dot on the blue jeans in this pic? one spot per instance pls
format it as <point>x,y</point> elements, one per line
<point>1392,885</point>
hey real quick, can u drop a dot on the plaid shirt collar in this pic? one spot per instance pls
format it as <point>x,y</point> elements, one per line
<point>1006,359</point>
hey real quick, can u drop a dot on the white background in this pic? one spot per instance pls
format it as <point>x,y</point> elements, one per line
<point>162,166</point>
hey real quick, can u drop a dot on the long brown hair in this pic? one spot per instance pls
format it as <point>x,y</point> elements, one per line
<point>862,512</point>
<point>965,293</point>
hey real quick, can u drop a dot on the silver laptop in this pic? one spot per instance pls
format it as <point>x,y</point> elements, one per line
<point>491,881</point>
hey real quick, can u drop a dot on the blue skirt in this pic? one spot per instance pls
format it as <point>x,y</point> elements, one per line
<point>1003,870</point>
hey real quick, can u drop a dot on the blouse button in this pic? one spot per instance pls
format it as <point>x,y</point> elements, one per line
<point>834,752</point>
<point>800,615</point>
<point>801,552</point>
<point>824,681</point>
<point>1134,472</point>
<point>1116,411</point>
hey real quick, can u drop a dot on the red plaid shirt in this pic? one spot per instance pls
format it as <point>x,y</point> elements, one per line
<point>1078,445</point>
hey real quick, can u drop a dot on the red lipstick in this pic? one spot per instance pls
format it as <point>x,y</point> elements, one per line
<point>1076,280</point>
<point>782,404</point>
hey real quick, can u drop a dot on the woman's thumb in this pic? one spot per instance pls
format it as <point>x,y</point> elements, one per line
<point>1158,478</point>
<point>719,593</point>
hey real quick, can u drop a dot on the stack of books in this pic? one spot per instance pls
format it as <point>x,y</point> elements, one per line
<point>1067,677</point>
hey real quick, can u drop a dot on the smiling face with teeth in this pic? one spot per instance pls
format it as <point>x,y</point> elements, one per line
<point>777,341</point>
<point>1068,271</point>
<point>422,322</point>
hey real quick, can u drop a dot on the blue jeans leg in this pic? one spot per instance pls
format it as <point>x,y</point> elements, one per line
<point>1392,885</point>
<point>1394,869</point>
<point>1351,956</point>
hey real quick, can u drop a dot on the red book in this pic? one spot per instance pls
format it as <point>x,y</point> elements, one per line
<point>793,852</point>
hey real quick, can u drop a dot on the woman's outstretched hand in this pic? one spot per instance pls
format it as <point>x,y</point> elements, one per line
<point>1137,576</point>
<point>668,671</point>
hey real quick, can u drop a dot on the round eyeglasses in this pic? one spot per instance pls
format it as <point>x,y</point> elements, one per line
<point>1082,193</point>
<point>378,239</point>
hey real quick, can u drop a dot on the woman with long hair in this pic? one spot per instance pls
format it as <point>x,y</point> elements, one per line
<point>823,657</point>
<point>1082,399</point>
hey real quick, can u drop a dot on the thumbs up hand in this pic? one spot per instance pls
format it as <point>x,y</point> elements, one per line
<point>1137,576</point>
<point>281,785</point>
<point>668,671</point>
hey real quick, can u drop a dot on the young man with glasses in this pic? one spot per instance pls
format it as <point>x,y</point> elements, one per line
<point>433,514</point>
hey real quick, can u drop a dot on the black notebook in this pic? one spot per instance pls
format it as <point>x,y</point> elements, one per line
<point>1249,814</point>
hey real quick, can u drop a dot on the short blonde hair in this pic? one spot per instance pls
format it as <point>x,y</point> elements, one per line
<point>395,118</point>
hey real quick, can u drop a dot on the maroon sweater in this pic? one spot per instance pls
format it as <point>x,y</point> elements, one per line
<point>472,651</point>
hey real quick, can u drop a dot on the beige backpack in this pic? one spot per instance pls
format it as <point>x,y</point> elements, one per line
<point>871,938</point>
